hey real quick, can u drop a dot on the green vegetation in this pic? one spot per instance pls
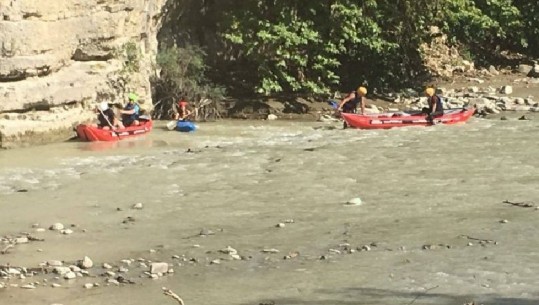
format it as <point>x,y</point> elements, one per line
<point>314,47</point>
<point>130,54</point>
<point>182,74</point>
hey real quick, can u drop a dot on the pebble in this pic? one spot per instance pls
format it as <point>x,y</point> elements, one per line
<point>55,285</point>
<point>137,206</point>
<point>288,221</point>
<point>107,266</point>
<point>21,240</point>
<point>123,270</point>
<point>280,225</point>
<point>206,232</point>
<point>70,275</point>
<point>366,248</point>
<point>271,250</point>
<point>56,227</point>
<point>66,231</point>
<point>229,250</point>
<point>110,273</point>
<point>35,225</point>
<point>86,263</point>
<point>62,270</point>
<point>54,263</point>
<point>215,262</point>
<point>158,268</point>
<point>354,201</point>
<point>113,281</point>
<point>504,221</point>
<point>88,285</point>
<point>29,286</point>
<point>470,244</point>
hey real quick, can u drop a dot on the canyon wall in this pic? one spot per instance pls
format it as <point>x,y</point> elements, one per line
<point>59,58</point>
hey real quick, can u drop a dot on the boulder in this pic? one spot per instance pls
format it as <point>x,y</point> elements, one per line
<point>506,89</point>
<point>534,72</point>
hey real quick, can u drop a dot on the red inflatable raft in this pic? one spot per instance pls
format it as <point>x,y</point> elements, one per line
<point>391,120</point>
<point>91,133</point>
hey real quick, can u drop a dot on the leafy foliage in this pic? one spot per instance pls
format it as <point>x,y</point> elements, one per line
<point>182,74</point>
<point>305,46</point>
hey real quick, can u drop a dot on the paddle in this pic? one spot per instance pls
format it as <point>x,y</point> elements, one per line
<point>110,124</point>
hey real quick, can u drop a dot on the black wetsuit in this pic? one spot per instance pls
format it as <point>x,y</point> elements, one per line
<point>351,105</point>
<point>109,113</point>
<point>439,108</point>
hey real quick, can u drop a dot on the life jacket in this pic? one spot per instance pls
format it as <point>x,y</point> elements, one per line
<point>439,103</point>
<point>109,115</point>
<point>135,115</point>
<point>351,105</point>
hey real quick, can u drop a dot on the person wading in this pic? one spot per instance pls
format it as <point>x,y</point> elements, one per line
<point>349,104</point>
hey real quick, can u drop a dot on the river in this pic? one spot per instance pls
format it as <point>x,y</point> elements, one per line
<point>432,227</point>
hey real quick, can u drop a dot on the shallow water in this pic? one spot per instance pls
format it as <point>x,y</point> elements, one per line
<point>419,186</point>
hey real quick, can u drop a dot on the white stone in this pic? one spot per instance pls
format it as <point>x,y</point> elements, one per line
<point>70,275</point>
<point>354,201</point>
<point>66,231</point>
<point>272,117</point>
<point>107,266</point>
<point>158,268</point>
<point>56,227</point>
<point>137,206</point>
<point>229,250</point>
<point>506,90</point>
<point>21,240</point>
<point>86,263</point>
<point>61,270</point>
<point>88,285</point>
<point>13,271</point>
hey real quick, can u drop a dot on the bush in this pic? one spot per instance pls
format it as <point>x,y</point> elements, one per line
<point>181,73</point>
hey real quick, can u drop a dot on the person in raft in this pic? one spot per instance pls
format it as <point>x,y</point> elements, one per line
<point>182,112</point>
<point>435,108</point>
<point>349,104</point>
<point>131,111</point>
<point>106,117</point>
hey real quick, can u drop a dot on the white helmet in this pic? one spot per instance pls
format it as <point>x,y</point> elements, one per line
<point>104,106</point>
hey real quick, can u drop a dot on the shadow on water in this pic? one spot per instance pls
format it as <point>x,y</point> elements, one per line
<point>371,296</point>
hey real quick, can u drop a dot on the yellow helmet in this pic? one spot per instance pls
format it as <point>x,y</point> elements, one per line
<point>362,90</point>
<point>429,91</point>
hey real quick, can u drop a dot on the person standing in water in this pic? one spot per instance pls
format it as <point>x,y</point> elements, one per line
<point>350,103</point>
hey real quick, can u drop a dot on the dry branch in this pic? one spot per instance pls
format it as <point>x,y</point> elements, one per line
<point>173,295</point>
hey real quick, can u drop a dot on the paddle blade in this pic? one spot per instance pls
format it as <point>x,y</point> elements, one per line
<point>333,104</point>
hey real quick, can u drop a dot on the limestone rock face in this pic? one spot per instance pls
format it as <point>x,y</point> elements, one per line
<point>59,58</point>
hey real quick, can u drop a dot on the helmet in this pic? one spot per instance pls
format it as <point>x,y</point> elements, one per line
<point>103,106</point>
<point>429,91</point>
<point>362,90</point>
<point>132,97</point>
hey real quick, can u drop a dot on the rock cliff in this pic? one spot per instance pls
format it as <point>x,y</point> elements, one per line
<point>58,58</point>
